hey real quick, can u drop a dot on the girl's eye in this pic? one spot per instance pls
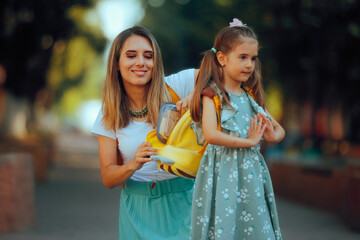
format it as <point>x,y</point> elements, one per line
<point>243,57</point>
<point>150,56</point>
<point>253,59</point>
<point>130,56</point>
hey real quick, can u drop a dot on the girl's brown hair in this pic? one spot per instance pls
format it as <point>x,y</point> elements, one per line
<point>211,71</point>
<point>115,102</point>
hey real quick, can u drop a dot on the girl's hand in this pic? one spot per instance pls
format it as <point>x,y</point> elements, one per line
<point>142,155</point>
<point>269,133</point>
<point>256,130</point>
<point>274,133</point>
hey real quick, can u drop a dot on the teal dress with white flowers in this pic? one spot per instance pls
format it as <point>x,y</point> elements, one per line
<point>233,196</point>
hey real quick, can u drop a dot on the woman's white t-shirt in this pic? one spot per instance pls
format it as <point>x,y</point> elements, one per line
<point>135,133</point>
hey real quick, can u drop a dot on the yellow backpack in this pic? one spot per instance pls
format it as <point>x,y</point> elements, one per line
<point>182,152</point>
<point>184,148</point>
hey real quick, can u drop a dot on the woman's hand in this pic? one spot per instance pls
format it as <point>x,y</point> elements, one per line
<point>142,155</point>
<point>184,103</point>
<point>256,130</point>
<point>115,175</point>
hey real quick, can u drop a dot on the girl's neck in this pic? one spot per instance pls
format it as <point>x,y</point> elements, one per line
<point>233,87</point>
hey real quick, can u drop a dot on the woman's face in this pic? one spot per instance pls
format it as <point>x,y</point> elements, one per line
<point>136,61</point>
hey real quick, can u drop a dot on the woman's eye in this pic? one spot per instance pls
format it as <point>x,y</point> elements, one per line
<point>243,57</point>
<point>131,56</point>
<point>253,59</point>
<point>148,56</point>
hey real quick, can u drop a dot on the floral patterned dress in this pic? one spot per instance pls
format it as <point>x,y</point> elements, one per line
<point>233,196</point>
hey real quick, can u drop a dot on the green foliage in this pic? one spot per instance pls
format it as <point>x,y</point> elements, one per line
<point>39,36</point>
<point>310,47</point>
<point>301,40</point>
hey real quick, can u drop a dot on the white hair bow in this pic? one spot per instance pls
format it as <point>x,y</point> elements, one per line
<point>237,23</point>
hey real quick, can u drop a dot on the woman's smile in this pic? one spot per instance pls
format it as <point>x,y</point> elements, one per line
<point>139,73</point>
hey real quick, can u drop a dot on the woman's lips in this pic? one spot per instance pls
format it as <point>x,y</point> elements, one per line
<point>139,72</point>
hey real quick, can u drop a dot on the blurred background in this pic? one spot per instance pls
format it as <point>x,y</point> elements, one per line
<point>52,66</point>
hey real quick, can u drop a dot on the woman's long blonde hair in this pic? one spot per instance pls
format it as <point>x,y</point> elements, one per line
<point>115,105</point>
<point>211,70</point>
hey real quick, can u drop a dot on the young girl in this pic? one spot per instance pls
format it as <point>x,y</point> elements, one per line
<point>233,195</point>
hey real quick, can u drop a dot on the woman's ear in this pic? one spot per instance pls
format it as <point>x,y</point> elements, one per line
<point>221,57</point>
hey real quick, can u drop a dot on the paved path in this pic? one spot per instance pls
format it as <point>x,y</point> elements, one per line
<point>74,205</point>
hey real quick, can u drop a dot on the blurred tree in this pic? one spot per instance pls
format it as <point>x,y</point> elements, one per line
<point>76,65</point>
<point>308,46</point>
<point>191,26</point>
<point>32,32</point>
<point>314,44</point>
<point>52,53</point>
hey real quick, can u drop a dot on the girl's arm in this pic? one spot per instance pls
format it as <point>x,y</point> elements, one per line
<point>114,175</point>
<point>274,133</point>
<point>214,136</point>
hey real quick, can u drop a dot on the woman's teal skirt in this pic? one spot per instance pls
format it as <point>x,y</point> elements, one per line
<point>162,212</point>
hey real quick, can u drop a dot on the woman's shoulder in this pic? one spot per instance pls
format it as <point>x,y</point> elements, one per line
<point>186,73</point>
<point>99,128</point>
<point>182,82</point>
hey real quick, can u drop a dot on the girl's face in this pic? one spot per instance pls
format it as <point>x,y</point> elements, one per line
<point>239,64</point>
<point>136,61</point>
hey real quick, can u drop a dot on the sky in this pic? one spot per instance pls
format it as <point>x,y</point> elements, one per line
<point>118,15</point>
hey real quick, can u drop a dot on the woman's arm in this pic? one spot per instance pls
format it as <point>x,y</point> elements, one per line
<point>114,175</point>
<point>214,136</point>
<point>274,133</point>
<point>183,84</point>
<point>184,104</point>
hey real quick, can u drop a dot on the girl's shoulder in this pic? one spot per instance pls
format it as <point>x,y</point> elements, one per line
<point>213,92</point>
<point>210,91</point>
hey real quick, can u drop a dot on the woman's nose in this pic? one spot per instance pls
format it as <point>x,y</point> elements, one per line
<point>140,60</point>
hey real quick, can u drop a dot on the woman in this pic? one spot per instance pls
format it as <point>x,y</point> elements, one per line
<point>153,204</point>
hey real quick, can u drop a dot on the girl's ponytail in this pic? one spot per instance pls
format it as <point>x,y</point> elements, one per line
<point>209,71</point>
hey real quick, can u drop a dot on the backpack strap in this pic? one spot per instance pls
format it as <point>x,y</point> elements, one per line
<point>250,91</point>
<point>175,98</point>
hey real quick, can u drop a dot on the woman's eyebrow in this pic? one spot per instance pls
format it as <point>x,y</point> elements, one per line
<point>134,51</point>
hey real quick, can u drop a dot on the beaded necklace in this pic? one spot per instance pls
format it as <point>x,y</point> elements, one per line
<point>139,113</point>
